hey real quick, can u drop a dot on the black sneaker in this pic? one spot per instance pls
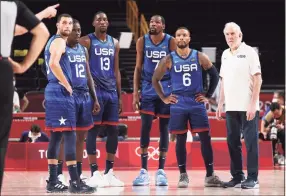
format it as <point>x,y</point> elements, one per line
<point>80,187</point>
<point>234,182</point>
<point>57,187</point>
<point>250,184</point>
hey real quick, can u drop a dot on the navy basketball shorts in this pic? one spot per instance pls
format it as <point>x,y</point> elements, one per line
<point>150,102</point>
<point>83,105</point>
<point>109,107</point>
<point>60,108</point>
<point>188,110</point>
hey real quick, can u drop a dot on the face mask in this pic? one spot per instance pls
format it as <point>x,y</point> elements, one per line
<point>274,100</point>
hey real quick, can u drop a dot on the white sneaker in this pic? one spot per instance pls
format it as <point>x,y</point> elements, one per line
<point>62,179</point>
<point>281,160</point>
<point>96,180</point>
<point>112,180</point>
<point>83,178</point>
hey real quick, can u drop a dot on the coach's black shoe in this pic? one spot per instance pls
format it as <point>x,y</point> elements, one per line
<point>57,187</point>
<point>234,182</point>
<point>250,184</point>
<point>80,187</point>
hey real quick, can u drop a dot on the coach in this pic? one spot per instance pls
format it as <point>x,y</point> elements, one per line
<point>240,87</point>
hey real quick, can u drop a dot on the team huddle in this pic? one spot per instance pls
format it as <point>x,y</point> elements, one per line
<point>84,93</point>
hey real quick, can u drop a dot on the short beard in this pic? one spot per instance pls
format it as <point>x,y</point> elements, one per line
<point>64,34</point>
<point>102,30</point>
<point>182,46</point>
<point>153,32</point>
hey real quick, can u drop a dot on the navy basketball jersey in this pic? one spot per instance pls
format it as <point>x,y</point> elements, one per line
<point>101,62</point>
<point>152,56</point>
<point>77,59</point>
<point>186,74</point>
<point>64,62</point>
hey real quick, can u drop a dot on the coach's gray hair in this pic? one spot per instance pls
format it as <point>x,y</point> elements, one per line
<point>233,25</point>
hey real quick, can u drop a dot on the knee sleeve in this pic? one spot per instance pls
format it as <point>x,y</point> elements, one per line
<point>164,134</point>
<point>146,124</point>
<point>70,145</point>
<point>91,140</point>
<point>112,139</point>
<point>54,145</point>
<point>206,147</point>
<point>181,151</point>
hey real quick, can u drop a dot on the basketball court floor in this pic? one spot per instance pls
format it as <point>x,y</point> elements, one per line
<point>272,182</point>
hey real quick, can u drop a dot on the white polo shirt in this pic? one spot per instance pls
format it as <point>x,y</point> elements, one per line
<point>237,71</point>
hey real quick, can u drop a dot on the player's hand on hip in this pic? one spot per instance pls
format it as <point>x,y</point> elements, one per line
<point>135,102</point>
<point>96,108</point>
<point>250,114</point>
<point>171,99</point>
<point>218,112</point>
<point>51,11</point>
<point>69,89</point>
<point>201,98</point>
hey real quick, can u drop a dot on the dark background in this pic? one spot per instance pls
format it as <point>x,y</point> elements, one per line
<point>262,23</point>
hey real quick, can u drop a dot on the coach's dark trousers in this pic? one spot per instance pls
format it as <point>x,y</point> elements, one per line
<point>6,107</point>
<point>236,122</point>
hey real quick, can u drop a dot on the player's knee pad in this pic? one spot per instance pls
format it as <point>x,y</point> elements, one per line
<point>54,145</point>
<point>181,150</point>
<point>164,134</point>
<point>205,137</point>
<point>112,139</point>
<point>181,141</point>
<point>146,121</point>
<point>70,145</point>
<point>91,140</point>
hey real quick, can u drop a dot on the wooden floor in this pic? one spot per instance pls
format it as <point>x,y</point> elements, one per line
<point>272,182</point>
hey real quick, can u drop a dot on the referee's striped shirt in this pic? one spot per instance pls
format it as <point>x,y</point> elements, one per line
<point>12,13</point>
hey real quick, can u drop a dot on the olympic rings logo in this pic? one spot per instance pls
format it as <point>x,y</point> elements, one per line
<point>153,153</point>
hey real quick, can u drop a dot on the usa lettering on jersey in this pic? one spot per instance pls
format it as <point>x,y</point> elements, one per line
<point>77,58</point>
<point>156,54</point>
<point>186,68</point>
<point>104,51</point>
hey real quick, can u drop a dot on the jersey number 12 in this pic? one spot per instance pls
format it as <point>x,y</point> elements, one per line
<point>79,68</point>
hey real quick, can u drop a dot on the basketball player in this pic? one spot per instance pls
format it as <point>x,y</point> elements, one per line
<point>15,12</point>
<point>60,109</point>
<point>82,85</point>
<point>185,66</point>
<point>151,48</point>
<point>104,66</point>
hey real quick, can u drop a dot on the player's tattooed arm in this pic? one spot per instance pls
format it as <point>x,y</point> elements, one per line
<point>173,45</point>
<point>57,48</point>
<point>90,81</point>
<point>205,61</point>
<point>139,63</point>
<point>137,73</point>
<point>117,73</point>
<point>85,41</point>
<point>212,71</point>
<point>159,72</point>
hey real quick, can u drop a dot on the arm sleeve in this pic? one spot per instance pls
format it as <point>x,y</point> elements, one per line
<point>254,62</point>
<point>25,17</point>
